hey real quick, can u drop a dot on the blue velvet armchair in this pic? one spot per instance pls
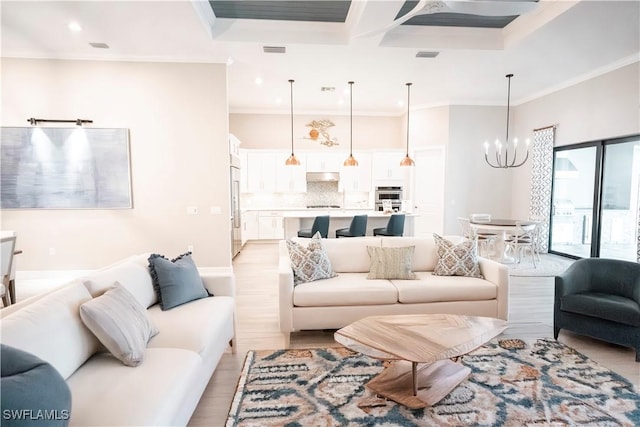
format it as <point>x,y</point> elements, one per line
<point>600,298</point>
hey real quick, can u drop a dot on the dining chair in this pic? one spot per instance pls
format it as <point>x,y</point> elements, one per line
<point>522,241</point>
<point>320,223</point>
<point>7,248</point>
<point>395,226</point>
<point>358,227</point>
<point>484,242</point>
<point>484,234</point>
<point>537,234</point>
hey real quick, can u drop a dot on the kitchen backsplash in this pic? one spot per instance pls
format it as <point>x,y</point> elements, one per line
<point>318,193</point>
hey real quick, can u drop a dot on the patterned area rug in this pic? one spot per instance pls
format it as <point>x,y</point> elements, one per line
<point>513,383</point>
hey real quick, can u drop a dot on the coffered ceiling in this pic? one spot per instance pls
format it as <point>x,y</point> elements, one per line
<point>454,51</point>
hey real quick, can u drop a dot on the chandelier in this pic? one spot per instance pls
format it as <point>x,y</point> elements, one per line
<point>504,158</point>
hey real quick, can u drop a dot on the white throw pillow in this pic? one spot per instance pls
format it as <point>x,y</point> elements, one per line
<point>121,324</point>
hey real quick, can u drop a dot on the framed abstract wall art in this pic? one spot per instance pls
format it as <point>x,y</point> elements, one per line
<point>64,168</point>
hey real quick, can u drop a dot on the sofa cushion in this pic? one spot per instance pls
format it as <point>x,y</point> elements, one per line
<point>29,383</point>
<point>346,289</point>
<point>176,281</point>
<point>425,256</point>
<point>132,273</point>
<point>52,330</point>
<point>432,288</point>
<point>121,324</point>
<point>194,326</point>
<point>457,259</point>
<point>107,393</point>
<point>391,263</point>
<point>603,306</point>
<point>350,255</point>
<point>309,263</point>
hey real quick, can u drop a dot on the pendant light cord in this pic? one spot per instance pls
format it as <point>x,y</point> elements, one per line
<point>408,102</point>
<point>350,119</point>
<point>506,141</point>
<point>291,92</point>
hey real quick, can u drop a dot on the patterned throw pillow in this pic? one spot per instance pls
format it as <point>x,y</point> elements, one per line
<point>391,263</point>
<point>310,263</point>
<point>457,259</point>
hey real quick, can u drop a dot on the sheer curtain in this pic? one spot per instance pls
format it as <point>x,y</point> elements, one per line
<point>541,177</point>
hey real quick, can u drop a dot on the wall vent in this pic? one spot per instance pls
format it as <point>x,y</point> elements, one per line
<point>274,49</point>
<point>99,45</point>
<point>426,54</point>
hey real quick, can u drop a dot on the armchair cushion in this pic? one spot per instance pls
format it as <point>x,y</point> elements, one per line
<point>604,306</point>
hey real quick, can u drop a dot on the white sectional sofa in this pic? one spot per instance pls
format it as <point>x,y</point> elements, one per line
<point>336,302</point>
<point>178,362</point>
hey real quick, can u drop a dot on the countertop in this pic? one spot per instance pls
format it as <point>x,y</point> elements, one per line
<point>333,212</point>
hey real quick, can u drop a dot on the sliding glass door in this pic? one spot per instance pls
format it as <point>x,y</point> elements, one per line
<point>619,219</point>
<point>595,199</point>
<point>572,208</point>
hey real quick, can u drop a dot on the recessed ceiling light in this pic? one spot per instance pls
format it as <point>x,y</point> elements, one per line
<point>278,100</point>
<point>340,101</point>
<point>229,61</point>
<point>258,81</point>
<point>400,103</point>
<point>74,26</point>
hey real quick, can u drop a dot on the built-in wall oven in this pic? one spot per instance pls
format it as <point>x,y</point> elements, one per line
<point>391,194</point>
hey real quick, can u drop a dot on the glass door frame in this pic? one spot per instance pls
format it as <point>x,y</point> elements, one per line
<point>597,190</point>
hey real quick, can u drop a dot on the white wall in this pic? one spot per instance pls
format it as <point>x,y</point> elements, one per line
<point>274,131</point>
<point>472,186</point>
<point>178,122</point>
<point>606,106</point>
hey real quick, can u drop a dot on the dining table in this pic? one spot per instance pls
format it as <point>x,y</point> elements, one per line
<point>502,228</point>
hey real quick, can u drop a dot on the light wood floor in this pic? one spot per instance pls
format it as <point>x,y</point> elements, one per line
<point>530,316</point>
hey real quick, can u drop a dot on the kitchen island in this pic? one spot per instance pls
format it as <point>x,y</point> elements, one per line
<point>295,220</point>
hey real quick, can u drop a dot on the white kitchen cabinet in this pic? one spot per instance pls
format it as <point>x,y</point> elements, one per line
<point>271,225</point>
<point>325,162</point>
<point>357,178</point>
<point>262,171</point>
<point>250,226</point>
<point>386,166</point>
<point>243,172</point>
<point>291,179</point>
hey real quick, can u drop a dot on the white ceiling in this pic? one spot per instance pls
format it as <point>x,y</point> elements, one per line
<point>558,44</point>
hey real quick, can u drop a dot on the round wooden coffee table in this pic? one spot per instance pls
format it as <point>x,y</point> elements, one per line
<point>421,347</point>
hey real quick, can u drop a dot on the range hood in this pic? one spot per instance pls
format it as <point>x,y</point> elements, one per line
<point>323,176</point>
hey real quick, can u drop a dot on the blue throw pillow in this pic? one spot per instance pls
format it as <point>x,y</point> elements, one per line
<point>176,281</point>
<point>33,392</point>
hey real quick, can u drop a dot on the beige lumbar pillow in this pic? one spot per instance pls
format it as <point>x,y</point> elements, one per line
<point>391,263</point>
<point>120,323</point>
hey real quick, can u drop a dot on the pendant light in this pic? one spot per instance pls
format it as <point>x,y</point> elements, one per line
<point>351,161</point>
<point>408,161</point>
<point>292,160</point>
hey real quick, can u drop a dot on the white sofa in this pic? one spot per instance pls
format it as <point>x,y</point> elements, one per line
<point>178,362</point>
<point>336,302</point>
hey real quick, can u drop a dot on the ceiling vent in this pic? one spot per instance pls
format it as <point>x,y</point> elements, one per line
<point>426,54</point>
<point>327,89</point>
<point>274,49</point>
<point>99,45</point>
